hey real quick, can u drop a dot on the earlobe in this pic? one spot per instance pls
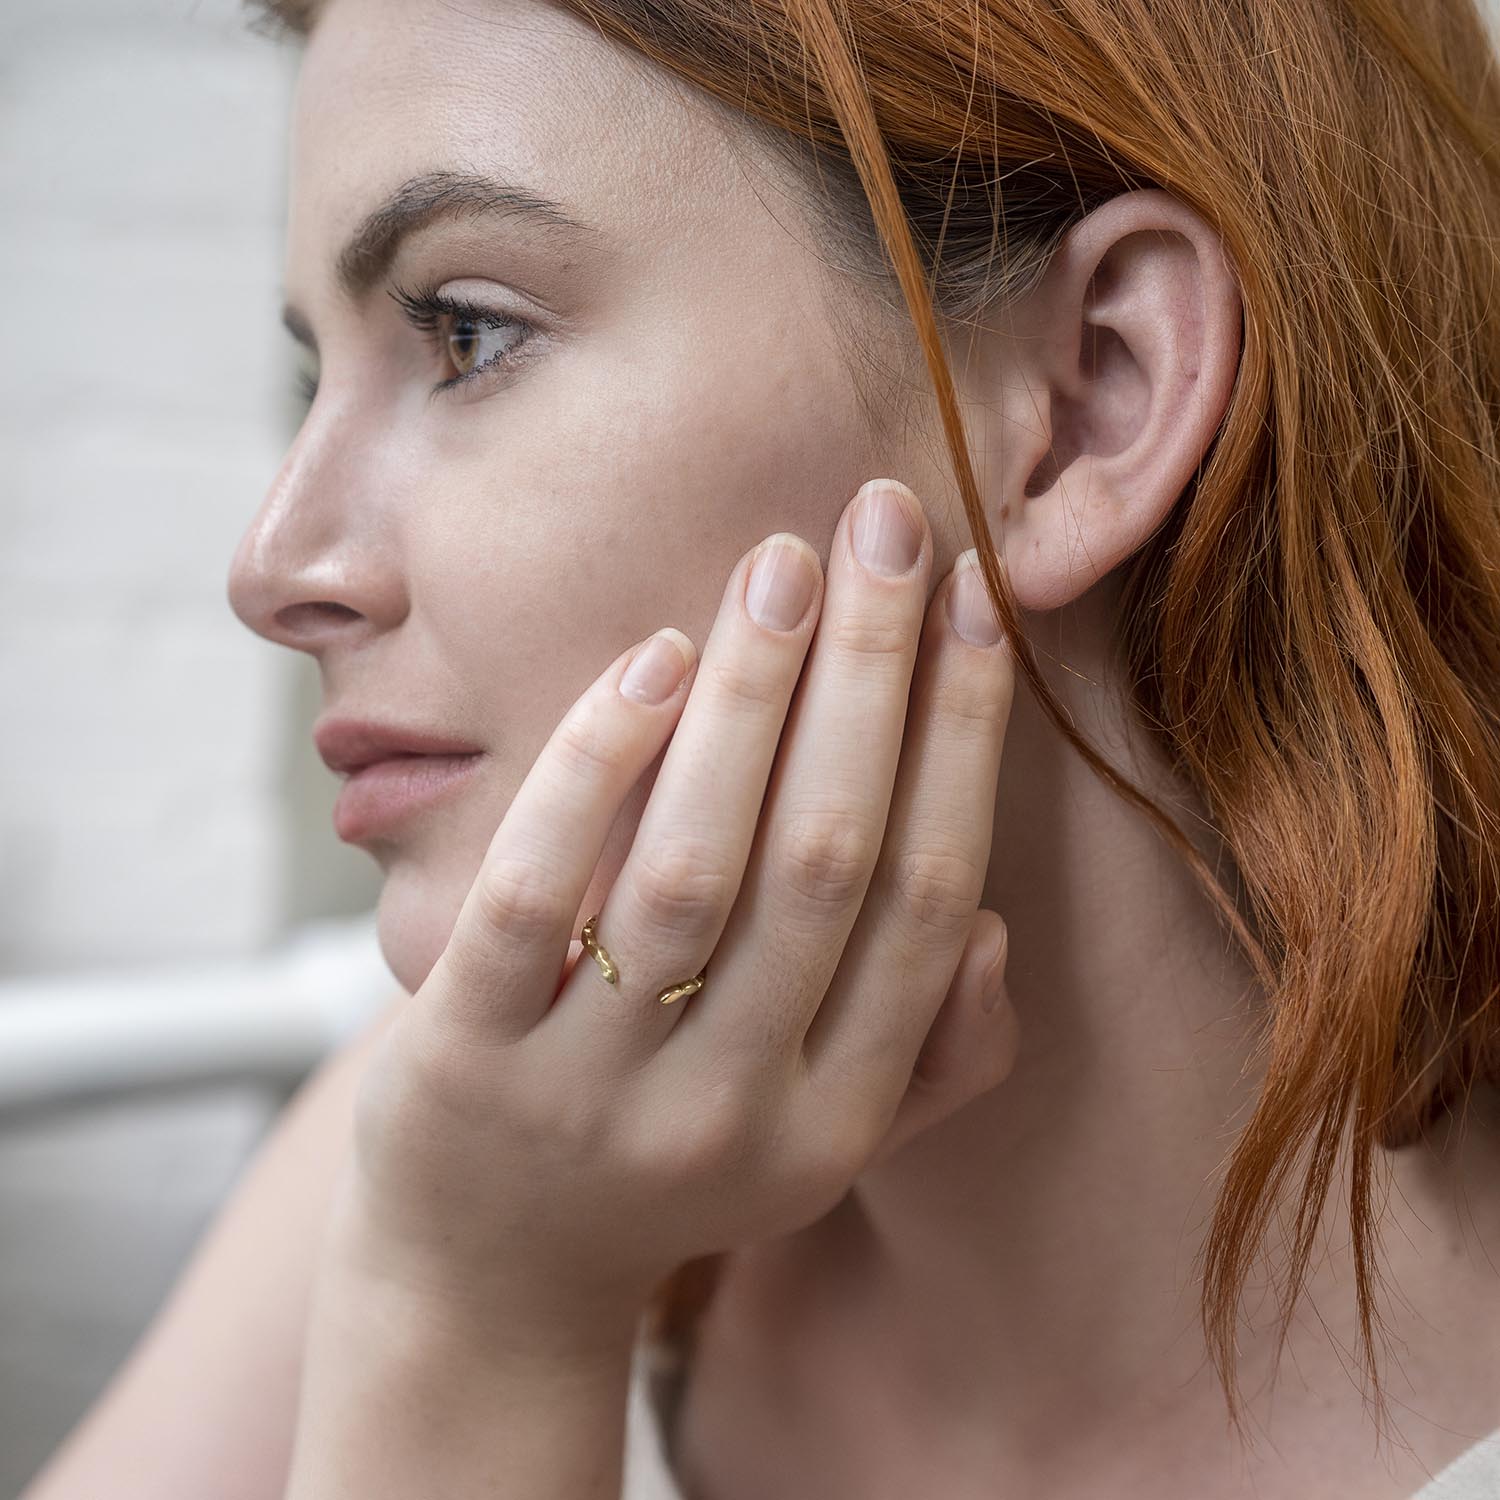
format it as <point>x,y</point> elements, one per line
<point>1132,342</point>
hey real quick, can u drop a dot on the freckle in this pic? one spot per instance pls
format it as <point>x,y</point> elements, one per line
<point>1005,510</point>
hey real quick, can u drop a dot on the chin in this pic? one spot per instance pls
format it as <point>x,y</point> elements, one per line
<point>414,920</point>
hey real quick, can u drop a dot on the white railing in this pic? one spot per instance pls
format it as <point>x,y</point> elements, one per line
<point>73,1037</point>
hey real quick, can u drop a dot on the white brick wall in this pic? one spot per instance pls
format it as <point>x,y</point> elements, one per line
<point>158,792</point>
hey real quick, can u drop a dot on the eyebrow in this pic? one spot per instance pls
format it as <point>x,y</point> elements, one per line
<point>427,199</point>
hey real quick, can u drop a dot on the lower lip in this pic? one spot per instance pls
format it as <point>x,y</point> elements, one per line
<point>380,795</point>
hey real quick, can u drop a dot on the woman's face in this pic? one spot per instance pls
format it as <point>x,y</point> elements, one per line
<point>649,397</point>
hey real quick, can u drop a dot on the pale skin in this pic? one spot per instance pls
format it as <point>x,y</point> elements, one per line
<point>1003,1304</point>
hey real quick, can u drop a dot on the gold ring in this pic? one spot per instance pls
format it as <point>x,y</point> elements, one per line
<point>611,972</point>
<point>605,962</point>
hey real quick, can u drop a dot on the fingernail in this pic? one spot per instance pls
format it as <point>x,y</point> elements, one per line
<point>782,579</point>
<point>887,536</point>
<point>657,668</point>
<point>969,609</point>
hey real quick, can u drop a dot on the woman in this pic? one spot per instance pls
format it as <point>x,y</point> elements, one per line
<point>603,294</point>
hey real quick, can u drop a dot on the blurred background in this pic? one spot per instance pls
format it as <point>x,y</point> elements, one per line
<point>182,936</point>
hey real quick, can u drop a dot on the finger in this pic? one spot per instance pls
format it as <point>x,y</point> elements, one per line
<point>970,1050</point>
<point>916,920</point>
<point>830,789</point>
<point>501,966</point>
<point>575,952</point>
<point>675,888</point>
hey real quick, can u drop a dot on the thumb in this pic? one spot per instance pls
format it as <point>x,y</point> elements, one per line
<point>969,1050</point>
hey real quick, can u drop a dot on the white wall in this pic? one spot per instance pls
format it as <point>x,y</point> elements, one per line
<point>158,792</point>
<point>159,795</point>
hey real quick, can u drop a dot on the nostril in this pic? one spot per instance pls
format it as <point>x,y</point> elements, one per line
<point>319,608</point>
<point>311,619</point>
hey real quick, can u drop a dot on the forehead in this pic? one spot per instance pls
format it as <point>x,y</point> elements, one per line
<point>522,90</point>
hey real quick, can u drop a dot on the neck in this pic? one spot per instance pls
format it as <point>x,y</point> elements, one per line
<point>1045,1235</point>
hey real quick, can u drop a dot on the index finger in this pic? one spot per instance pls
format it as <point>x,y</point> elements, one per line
<point>501,967</point>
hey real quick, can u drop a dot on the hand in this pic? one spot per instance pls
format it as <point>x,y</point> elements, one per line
<point>539,1144</point>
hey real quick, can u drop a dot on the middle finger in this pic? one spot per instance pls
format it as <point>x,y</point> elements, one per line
<point>830,791</point>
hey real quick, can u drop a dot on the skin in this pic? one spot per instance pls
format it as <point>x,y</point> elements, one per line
<point>1005,1303</point>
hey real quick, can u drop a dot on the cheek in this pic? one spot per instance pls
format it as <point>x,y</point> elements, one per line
<point>620,487</point>
<point>669,474</point>
<point>608,514</point>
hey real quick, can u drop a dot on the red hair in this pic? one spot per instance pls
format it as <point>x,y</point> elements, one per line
<point>1313,638</point>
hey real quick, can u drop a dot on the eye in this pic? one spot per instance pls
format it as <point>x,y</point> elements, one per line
<point>471,338</point>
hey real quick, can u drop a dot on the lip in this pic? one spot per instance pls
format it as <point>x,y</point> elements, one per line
<point>381,794</point>
<point>348,745</point>
<point>391,771</point>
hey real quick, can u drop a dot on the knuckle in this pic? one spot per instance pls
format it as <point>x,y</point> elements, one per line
<point>683,882</point>
<point>977,706</point>
<point>825,855</point>
<point>858,633</point>
<point>521,900</point>
<point>718,1145</point>
<point>715,1142</point>
<point>585,747</point>
<point>584,1130</point>
<point>534,1123</point>
<point>935,889</point>
<point>835,1150</point>
<point>739,681</point>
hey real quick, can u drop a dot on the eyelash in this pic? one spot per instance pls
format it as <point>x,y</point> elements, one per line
<point>423,307</point>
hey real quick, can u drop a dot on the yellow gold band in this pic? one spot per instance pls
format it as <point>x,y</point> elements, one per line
<point>611,972</point>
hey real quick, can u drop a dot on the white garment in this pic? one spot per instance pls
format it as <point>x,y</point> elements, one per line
<point>1473,1475</point>
<point>647,1476</point>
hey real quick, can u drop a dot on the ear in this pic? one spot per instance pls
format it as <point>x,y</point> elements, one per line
<point>1117,372</point>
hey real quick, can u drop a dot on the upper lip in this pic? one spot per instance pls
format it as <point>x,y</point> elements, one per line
<point>348,745</point>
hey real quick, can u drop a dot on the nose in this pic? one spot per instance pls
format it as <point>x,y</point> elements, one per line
<point>316,565</point>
